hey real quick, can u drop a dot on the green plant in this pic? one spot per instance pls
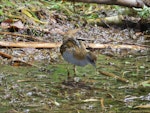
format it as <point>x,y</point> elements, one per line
<point>143,12</point>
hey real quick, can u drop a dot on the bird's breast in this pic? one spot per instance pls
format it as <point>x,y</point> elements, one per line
<point>75,59</point>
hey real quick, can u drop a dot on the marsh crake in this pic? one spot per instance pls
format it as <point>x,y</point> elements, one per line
<point>74,52</point>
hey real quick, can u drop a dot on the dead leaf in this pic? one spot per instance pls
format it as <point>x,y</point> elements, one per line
<point>12,24</point>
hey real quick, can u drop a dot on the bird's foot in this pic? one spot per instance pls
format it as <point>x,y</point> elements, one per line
<point>74,75</point>
<point>68,75</point>
<point>75,71</point>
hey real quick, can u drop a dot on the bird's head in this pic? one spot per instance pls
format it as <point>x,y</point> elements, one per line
<point>71,42</point>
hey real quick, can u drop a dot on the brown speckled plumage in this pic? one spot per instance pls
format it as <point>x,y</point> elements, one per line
<point>75,53</point>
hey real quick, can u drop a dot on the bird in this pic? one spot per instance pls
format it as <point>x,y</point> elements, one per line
<point>73,51</point>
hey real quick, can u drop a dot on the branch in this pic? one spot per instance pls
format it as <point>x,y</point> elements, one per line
<point>122,46</point>
<point>29,44</point>
<point>20,35</point>
<point>54,45</point>
<point>119,19</point>
<point>128,3</point>
<point>5,55</point>
<point>114,76</point>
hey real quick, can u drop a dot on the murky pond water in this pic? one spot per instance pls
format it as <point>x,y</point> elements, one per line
<point>29,89</point>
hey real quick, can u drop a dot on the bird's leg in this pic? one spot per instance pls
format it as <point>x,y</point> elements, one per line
<point>75,71</point>
<point>68,72</point>
<point>96,72</point>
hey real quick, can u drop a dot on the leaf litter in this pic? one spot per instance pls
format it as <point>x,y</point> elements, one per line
<point>44,85</point>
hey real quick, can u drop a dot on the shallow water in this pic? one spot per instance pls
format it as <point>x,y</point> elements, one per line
<point>29,89</point>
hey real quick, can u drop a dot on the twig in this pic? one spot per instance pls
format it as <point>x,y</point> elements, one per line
<point>54,45</point>
<point>107,20</point>
<point>102,103</point>
<point>125,46</point>
<point>147,106</point>
<point>16,60</point>
<point>19,62</point>
<point>24,63</point>
<point>29,44</point>
<point>27,80</point>
<point>21,35</point>
<point>114,76</point>
<point>5,55</point>
<point>128,3</point>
